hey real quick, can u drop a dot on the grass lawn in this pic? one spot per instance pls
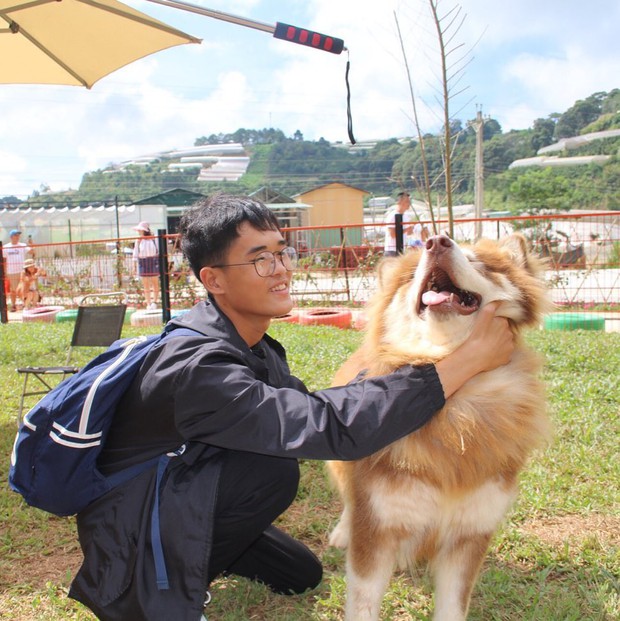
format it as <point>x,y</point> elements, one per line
<point>556,558</point>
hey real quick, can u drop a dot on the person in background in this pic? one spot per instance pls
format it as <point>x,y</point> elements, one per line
<point>418,237</point>
<point>146,256</point>
<point>14,254</point>
<point>402,207</point>
<point>30,243</point>
<point>28,288</point>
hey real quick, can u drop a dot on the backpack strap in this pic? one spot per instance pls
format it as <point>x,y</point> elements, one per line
<point>162,461</point>
<point>161,574</point>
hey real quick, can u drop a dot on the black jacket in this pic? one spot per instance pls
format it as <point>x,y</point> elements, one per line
<point>213,393</point>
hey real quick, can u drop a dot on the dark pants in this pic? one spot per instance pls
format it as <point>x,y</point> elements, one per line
<point>253,491</point>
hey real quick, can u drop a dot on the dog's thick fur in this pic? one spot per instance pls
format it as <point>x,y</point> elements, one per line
<point>439,494</point>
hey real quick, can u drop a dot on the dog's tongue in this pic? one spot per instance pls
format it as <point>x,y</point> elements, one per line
<point>432,298</point>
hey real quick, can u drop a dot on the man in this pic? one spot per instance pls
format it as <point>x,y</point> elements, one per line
<point>14,254</point>
<point>402,207</point>
<point>227,395</point>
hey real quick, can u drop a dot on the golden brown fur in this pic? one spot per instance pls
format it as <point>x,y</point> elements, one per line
<point>438,494</point>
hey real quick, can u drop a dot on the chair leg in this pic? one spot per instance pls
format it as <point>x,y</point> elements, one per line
<point>25,393</point>
<point>20,414</point>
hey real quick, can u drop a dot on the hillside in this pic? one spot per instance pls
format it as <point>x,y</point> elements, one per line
<point>293,165</point>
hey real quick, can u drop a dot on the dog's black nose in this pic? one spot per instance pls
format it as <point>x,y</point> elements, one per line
<point>438,244</point>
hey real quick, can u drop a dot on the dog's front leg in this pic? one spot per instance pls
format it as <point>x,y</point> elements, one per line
<point>369,570</point>
<point>455,570</point>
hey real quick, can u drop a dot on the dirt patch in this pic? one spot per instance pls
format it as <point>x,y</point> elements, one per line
<point>575,529</point>
<point>58,568</point>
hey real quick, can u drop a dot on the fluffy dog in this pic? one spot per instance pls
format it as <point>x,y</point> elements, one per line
<point>439,494</point>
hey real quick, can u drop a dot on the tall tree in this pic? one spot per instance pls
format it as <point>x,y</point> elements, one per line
<point>581,114</point>
<point>538,189</point>
<point>542,134</point>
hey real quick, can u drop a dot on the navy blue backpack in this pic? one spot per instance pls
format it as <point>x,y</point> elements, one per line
<point>54,458</point>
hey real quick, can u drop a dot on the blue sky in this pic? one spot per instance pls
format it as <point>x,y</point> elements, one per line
<point>525,60</point>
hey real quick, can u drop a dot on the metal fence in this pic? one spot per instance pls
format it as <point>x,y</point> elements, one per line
<point>337,264</point>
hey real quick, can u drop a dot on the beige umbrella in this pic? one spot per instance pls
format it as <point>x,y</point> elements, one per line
<point>76,42</point>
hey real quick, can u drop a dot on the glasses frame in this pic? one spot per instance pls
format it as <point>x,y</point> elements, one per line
<point>289,251</point>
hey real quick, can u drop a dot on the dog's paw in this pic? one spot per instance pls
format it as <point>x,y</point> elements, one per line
<point>339,537</point>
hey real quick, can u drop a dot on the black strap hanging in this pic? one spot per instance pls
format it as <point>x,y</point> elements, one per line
<point>349,117</point>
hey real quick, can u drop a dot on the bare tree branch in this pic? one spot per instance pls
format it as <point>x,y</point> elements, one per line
<point>453,61</point>
<point>427,184</point>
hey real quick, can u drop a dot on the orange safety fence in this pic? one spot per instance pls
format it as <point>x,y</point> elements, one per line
<point>337,263</point>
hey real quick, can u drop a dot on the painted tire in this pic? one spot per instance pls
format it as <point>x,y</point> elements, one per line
<point>42,313</point>
<point>359,320</point>
<point>146,318</point>
<point>66,315</point>
<point>337,317</point>
<point>290,317</point>
<point>574,321</point>
<point>128,313</point>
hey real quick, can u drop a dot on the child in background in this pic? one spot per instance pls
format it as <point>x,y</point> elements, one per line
<point>28,288</point>
<point>146,255</point>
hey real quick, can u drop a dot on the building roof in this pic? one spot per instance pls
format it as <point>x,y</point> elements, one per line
<point>269,196</point>
<point>318,187</point>
<point>172,198</point>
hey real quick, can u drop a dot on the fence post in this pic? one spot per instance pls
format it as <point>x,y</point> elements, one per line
<point>343,249</point>
<point>4,317</point>
<point>398,231</point>
<point>119,257</point>
<point>164,277</point>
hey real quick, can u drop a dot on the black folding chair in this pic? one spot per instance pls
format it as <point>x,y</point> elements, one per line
<point>99,322</point>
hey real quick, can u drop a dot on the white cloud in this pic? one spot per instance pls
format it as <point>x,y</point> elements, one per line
<point>556,83</point>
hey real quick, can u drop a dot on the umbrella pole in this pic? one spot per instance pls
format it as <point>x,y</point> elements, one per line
<point>279,31</point>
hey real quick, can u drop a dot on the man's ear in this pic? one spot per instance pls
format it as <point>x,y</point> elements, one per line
<point>210,278</point>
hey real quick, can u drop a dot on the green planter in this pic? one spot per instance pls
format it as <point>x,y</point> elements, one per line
<point>66,315</point>
<point>574,321</point>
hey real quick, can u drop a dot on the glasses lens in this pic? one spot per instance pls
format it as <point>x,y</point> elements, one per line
<point>265,264</point>
<point>289,258</point>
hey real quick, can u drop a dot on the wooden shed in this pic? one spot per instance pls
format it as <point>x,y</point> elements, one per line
<point>335,204</point>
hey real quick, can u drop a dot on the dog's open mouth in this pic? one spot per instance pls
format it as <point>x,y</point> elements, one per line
<point>440,294</point>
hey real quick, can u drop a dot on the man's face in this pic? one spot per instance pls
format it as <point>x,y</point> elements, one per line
<point>404,202</point>
<point>15,238</point>
<point>241,291</point>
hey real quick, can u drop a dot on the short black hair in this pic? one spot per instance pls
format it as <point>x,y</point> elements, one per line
<point>212,224</point>
<point>402,194</point>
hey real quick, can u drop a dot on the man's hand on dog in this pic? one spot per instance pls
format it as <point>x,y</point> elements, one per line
<point>491,338</point>
<point>489,346</point>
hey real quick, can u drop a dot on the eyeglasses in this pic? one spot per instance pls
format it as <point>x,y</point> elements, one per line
<point>265,262</point>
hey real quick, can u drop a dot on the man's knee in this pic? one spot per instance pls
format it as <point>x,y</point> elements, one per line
<point>281,476</point>
<point>259,481</point>
<point>309,575</point>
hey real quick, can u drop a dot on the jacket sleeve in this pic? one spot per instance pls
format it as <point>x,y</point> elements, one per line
<point>221,402</point>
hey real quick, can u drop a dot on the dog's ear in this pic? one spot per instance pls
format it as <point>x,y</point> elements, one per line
<point>516,245</point>
<point>386,270</point>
